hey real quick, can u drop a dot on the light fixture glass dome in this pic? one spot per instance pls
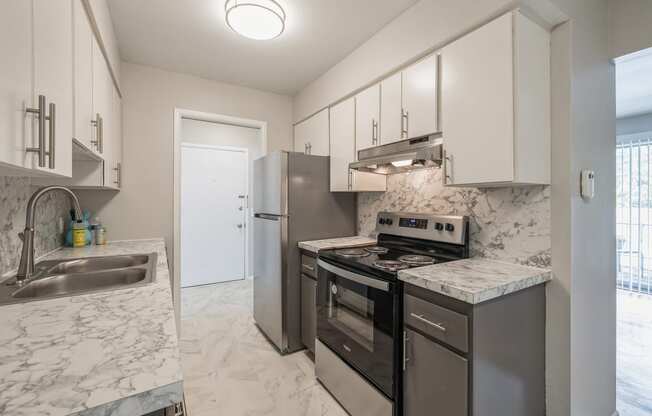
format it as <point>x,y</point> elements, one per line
<point>255,19</point>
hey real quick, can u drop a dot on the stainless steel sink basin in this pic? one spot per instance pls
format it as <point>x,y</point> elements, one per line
<point>91,264</point>
<point>69,277</point>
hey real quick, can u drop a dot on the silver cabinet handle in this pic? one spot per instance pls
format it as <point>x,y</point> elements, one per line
<point>439,326</point>
<point>99,133</point>
<point>350,180</point>
<point>405,355</point>
<point>40,115</point>
<point>374,132</point>
<point>404,122</point>
<point>118,174</point>
<point>307,267</point>
<point>52,117</point>
<point>447,159</point>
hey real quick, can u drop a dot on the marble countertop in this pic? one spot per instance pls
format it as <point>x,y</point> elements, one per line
<point>317,245</point>
<point>475,280</point>
<point>110,353</point>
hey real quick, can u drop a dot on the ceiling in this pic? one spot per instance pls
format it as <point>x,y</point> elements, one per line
<point>190,36</point>
<point>634,84</point>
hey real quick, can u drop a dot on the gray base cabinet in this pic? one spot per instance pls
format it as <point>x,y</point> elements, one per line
<point>474,360</point>
<point>308,312</point>
<point>425,359</point>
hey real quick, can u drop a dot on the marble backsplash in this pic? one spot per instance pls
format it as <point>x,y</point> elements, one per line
<point>508,224</point>
<point>14,194</point>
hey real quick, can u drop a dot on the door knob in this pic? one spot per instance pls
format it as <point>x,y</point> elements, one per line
<point>239,226</point>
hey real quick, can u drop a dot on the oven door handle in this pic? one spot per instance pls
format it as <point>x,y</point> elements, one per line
<point>354,277</point>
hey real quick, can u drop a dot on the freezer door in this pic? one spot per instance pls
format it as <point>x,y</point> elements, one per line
<point>270,244</point>
<point>271,184</point>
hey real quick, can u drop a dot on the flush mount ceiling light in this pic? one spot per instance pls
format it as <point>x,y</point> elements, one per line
<point>255,19</point>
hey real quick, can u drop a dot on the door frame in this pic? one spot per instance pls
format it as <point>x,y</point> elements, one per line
<point>246,211</point>
<point>179,114</point>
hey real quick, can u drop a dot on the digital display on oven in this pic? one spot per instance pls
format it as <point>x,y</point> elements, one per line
<point>413,223</point>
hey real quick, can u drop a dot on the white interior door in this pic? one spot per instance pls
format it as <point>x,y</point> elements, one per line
<point>213,214</point>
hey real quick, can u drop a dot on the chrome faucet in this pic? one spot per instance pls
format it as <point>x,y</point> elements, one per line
<point>26,267</point>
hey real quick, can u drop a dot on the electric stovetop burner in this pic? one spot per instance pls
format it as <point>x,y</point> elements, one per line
<point>352,252</point>
<point>377,249</point>
<point>416,260</point>
<point>391,265</point>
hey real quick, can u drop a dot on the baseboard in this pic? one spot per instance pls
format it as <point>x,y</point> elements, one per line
<point>616,413</point>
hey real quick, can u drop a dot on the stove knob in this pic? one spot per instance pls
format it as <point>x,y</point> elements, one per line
<point>381,221</point>
<point>450,227</point>
<point>389,221</point>
<point>439,226</point>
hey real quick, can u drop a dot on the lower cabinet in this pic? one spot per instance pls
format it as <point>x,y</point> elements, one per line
<point>485,359</point>
<point>308,312</point>
<point>425,358</point>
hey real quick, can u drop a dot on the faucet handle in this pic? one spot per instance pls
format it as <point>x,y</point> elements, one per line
<point>21,235</point>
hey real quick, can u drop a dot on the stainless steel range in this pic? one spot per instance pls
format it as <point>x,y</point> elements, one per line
<point>359,307</point>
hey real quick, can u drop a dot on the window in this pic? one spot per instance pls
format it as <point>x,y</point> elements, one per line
<point>633,219</point>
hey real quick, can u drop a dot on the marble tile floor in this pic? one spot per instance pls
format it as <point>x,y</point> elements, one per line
<point>634,378</point>
<point>231,369</point>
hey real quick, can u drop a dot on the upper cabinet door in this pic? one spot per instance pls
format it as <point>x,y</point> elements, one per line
<point>116,153</point>
<point>391,110</point>
<point>342,129</point>
<point>83,70</point>
<point>496,104</point>
<point>420,97</point>
<point>15,82</point>
<point>102,99</point>
<point>53,74</point>
<point>367,117</point>
<point>311,135</point>
<point>318,137</point>
<point>477,105</point>
<point>301,138</point>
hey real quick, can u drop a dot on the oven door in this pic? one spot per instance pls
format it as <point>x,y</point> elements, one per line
<point>356,315</point>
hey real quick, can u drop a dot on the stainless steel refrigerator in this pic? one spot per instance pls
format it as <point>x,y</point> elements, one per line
<point>292,202</point>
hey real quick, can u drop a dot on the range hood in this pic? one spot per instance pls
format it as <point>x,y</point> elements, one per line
<point>406,155</point>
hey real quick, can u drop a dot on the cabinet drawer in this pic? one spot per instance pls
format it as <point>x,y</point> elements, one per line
<point>309,265</point>
<point>440,323</point>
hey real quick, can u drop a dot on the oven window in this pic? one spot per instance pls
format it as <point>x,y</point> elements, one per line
<point>353,314</point>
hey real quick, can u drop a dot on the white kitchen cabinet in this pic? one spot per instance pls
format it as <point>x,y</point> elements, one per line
<point>102,99</point>
<point>343,152</point>
<point>115,162</point>
<point>419,82</point>
<point>391,110</point>
<point>496,105</point>
<point>83,77</point>
<point>53,57</point>
<point>15,82</point>
<point>367,118</point>
<point>311,135</point>
<point>36,41</point>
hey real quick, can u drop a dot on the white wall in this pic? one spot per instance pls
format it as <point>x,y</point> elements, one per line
<point>581,336</point>
<point>217,134</point>
<point>144,206</point>
<point>629,26</point>
<point>634,124</point>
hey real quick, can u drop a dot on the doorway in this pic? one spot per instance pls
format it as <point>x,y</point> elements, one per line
<point>634,232</point>
<point>214,195</point>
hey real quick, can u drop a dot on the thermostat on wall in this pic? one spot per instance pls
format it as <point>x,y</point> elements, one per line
<point>587,184</point>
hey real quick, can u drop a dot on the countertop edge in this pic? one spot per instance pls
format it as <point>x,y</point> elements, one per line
<point>538,276</point>
<point>140,403</point>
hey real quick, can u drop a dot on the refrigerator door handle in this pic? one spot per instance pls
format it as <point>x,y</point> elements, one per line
<point>272,217</point>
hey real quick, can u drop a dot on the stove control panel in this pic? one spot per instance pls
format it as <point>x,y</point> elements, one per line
<point>445,228</point>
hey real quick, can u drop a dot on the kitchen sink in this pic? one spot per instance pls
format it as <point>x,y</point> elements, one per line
<point>90,264</point>
<point>70,277</point>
